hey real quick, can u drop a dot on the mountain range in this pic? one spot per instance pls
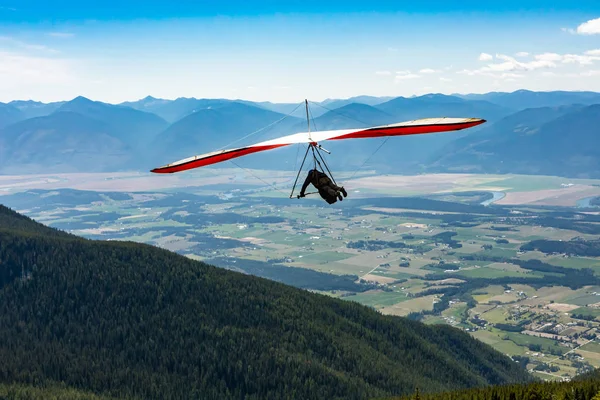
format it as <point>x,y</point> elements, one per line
<point>130,320</point>
<point>560,140</point>
<point>85,135</point>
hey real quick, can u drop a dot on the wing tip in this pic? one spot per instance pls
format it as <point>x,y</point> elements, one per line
<point>160,170</point>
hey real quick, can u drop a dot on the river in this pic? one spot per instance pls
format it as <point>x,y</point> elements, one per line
<point>497,196</point>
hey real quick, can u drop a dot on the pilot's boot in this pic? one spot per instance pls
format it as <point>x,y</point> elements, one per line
<point>340,196</point>
<point>343,191</point>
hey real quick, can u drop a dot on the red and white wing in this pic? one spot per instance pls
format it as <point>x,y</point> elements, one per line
<point>415,127</point>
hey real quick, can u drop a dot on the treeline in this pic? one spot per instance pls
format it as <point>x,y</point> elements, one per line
<point>374,245</point>
<point>446,237</point>
<point>556,275</point>
<point>562,223</point>
<point>509,327</point>
<point>584,248</point>
<point>303,278</point>
<point>585,317</point>
<point>583,387</point>
<point>460,292</point>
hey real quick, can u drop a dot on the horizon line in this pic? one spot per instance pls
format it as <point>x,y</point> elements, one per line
<point>322,101</point>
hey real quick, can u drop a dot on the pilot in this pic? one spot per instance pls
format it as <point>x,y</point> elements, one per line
<point>328,190</point>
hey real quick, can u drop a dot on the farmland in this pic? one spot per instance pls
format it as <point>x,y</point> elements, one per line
<point>518,273</point>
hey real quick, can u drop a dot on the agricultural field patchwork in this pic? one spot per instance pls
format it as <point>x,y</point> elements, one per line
<point>513,260</point>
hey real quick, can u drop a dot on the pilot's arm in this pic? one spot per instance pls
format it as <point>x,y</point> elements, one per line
<point>305,185</point>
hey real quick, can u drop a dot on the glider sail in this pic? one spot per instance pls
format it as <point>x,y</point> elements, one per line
<point>415,127</point>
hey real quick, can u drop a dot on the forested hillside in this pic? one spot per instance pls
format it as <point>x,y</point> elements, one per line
<point>125,319</point>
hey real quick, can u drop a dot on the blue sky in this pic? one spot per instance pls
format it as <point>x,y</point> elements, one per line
<point>287,51</point>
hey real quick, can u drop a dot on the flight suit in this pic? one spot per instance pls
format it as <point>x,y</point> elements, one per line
<point>328,190</point>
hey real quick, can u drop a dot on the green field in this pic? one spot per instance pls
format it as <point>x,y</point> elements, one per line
<point>583,300</point>
<point>325,257</point>
<point>576,262</point>
<point>379,299</point>
<point>524,340</point>
<point>486,272</point>
<point>592,312</point>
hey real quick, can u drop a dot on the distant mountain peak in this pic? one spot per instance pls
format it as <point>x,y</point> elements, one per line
<point>82,100</point>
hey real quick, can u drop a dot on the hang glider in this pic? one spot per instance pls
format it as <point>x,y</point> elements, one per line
<point>415,127</point>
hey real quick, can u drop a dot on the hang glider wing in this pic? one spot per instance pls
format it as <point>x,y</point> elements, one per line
<point>415,127</point>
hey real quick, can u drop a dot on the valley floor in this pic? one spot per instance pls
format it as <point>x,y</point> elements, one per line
<point>445,248</point>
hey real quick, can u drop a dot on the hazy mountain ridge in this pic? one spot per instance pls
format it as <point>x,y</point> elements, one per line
<point>133,127</point>
<point>62,142</point>
<point>32,109</point>
<point>554,141</point>
<point>438,105</point>
<point>522,99</point>
<point>144,138</point>
<point>9,115</point>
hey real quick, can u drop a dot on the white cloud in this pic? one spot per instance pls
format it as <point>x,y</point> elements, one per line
<point>504,57</point>
<point>568,30</point>
<point>23,70</point>
<point>583,60</point>
<point>428,71</point>
<point>403,77</point>
<point>403,72</point>
<point>541,61</point>
<point>548,57</point>
<point>63,35</point>
<point>522,54</point>
<point>383,73</point>
<point>491,74</point>
<point>443,79</point>
<point>485,57</point>
<point>588,58</point>
<point>507,68</point>
<point>591,27</point>
<point>511,64</point>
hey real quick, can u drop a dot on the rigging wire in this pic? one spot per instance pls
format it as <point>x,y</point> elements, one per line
<point>342,114</point>
<point>255,132</point>
<point>258,177</point>
<point>300,170</point>
<point>363,164</point>
<point>312,117</point>
<point>261,129</point>
<point>359,121</point>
